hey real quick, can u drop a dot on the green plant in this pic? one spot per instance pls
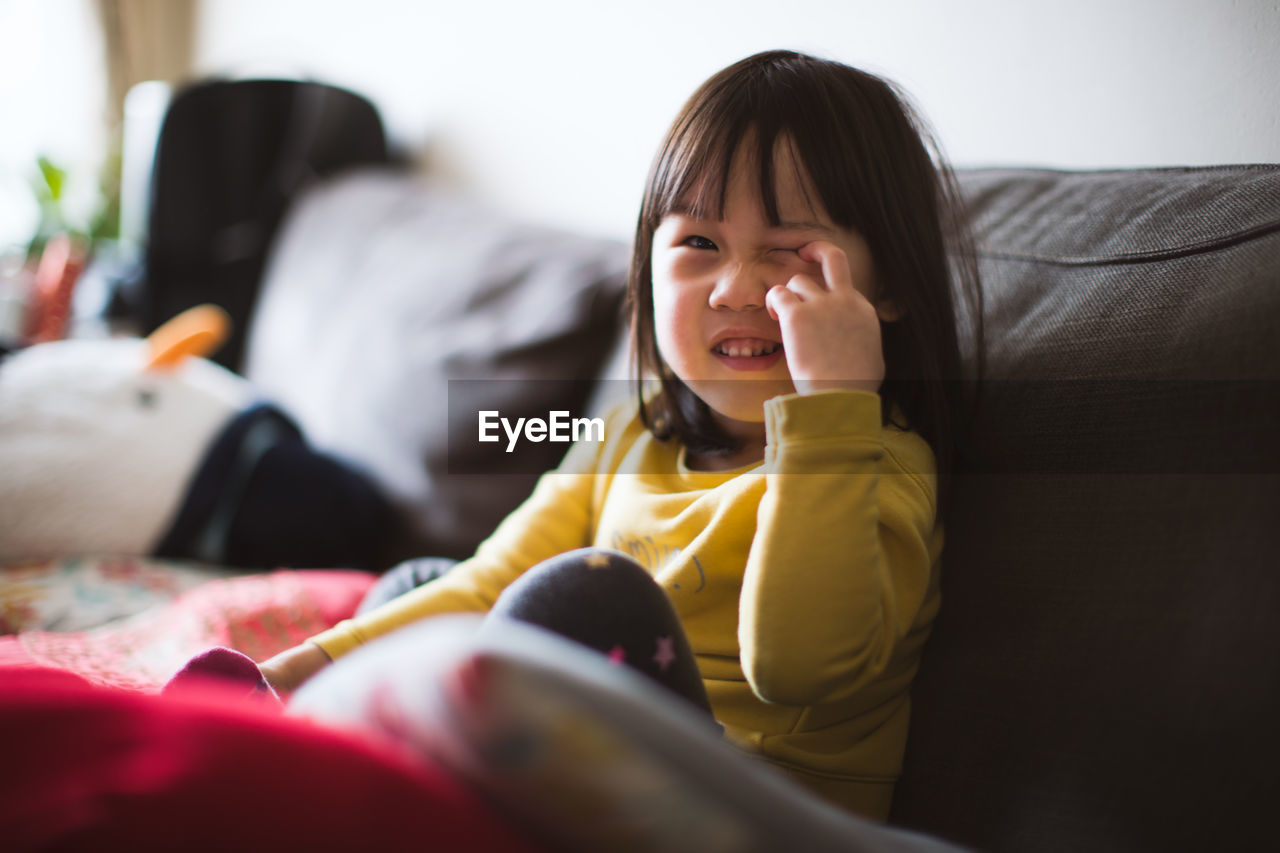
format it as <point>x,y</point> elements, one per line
<point>49,185</point>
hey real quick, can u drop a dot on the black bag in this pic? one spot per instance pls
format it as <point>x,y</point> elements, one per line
<point>230,157</point>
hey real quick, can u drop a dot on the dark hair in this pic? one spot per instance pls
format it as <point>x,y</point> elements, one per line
<point>873,164</point>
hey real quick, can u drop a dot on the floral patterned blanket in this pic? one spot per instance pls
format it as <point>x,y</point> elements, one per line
<point>131,623</point>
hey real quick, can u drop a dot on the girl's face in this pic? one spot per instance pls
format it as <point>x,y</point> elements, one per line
<point>709,283</point>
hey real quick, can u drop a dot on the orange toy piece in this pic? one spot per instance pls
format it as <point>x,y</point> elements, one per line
<point>197,331</point>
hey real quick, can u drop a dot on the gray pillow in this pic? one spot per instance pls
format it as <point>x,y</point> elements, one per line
<point>383,288</point>
<point>587,755</point>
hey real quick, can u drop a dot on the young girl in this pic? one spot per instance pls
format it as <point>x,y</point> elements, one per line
<point>791,294</point>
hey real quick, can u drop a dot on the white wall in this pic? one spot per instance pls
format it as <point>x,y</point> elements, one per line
<point>553,108</point>
<point>52,102</point>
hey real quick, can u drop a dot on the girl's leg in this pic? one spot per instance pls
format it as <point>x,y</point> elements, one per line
<point>404,577</point>
<point>608,601</point>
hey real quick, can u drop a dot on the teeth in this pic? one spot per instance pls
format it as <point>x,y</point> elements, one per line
<point>742,350</point>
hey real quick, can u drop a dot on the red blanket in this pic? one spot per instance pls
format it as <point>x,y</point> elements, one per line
<point>257,614</point>
<point>87,768</point>
<point>89,762</point>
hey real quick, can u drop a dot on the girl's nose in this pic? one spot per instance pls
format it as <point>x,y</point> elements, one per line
<point>740,287</point>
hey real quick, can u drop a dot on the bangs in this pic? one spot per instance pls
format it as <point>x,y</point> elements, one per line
<point>691,175</point>
<point>853,140</point>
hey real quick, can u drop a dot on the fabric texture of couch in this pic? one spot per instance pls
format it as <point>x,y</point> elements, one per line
<point>1102,675</point>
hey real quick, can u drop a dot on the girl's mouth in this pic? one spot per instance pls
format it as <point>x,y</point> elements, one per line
<point>748,353</point>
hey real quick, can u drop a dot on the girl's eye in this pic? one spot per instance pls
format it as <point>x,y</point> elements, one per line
<point>696,242</point>
<point>795,251</point>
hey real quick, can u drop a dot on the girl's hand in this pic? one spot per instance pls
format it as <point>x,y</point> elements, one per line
<point>830,328</point>
<point>288,670</point>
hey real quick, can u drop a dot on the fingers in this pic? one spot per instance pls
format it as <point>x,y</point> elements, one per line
<point>779,300</point>
<point>806,287</point>
<point>798,289</point>
<point>832,259</point>
<point>836,277</point>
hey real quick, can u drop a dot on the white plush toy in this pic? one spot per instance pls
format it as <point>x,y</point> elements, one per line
<point>140,446</point>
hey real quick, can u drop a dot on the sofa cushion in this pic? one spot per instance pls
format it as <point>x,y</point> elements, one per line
<point>381,290</point>
<point>1102,672</point>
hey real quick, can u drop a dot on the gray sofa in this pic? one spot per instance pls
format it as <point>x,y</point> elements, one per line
<point>1105,670</point>
<point>1104,673</point>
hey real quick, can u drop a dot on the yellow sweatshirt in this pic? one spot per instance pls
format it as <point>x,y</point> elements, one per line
<point>807,584</point>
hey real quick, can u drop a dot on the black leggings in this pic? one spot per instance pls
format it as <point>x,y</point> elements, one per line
<point>602,599</point>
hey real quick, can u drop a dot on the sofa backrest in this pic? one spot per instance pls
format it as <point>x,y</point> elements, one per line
<point>1104,672</point>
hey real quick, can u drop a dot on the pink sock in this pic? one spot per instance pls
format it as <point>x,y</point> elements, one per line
<point>226,665</point>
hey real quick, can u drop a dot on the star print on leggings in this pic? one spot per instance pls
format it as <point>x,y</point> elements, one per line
<point>666,654</point>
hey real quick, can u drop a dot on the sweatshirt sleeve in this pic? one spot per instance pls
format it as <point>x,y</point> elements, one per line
<point>555,518</point>
<point>842,562</point>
